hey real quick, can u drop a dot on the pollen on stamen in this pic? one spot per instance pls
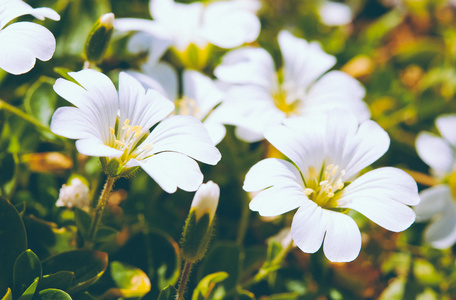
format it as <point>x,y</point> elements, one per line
<point>308,191</point>
<point>126,124</point>
<point>111,130</point>
<point>121,144</point>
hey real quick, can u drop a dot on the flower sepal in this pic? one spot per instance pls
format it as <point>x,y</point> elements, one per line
<point>115,169</point>
<point>98,39</point>
<point>196,236</point>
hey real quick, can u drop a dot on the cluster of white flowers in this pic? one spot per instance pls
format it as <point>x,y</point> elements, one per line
<point>315,117</point>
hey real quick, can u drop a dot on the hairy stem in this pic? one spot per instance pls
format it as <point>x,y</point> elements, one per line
<point>183,280</point>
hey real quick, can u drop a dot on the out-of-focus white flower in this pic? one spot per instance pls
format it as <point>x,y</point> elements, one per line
<point>260,97</point>
<point>223,23</point>
<point>23,42</point>
<point>328,151</point>
<point>335,13</point>
<point>116,127</point>
<point>438,203</point>
<point>199,97</point>
<point>74,195</point>
<point>439,153</point>
<point>206,200</point>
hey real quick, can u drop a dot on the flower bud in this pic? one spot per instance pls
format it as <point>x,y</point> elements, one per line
<point>98,39</point>
<point>199,223</point>
<point>75,194</point>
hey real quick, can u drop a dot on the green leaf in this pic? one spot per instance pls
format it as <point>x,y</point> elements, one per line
<point>87,266</point>
<point>30,291</point>
<point>246,295</point>
<point>40,100</point>
<point>53,294</point>
<point>83,296</point>
<point>8,295</point>
<point>13,241</point>
<point>83,221</point>
<point>168,293</point>
<point>26,268</point>
<point>61,280</point>
<point>223,257</point>
<point>131,281</point>
<point>105,233</point>
<point>7,165</point>
<point>206,287</point>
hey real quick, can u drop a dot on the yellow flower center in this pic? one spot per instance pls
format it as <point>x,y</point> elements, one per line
<point>452,184</point>
<point>323,187</point>
<point>128,139</point>
<point>280,101</point>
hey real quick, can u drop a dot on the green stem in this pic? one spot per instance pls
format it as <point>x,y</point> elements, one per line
<point>183,280</point>
<point>244,221</point>
<point>23,115</point>
<point>98,212</point>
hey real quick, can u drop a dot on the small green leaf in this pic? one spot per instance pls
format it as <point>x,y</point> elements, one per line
<point>87,266</point>
<point>105,233</point>
<point>26,268</point>
<point>13,241</point>
<point>30,291</point>
<point>206,287</point>
<point>8,295</point>
<point>61,280</point>
<point>7,166</point>
<point>53,294</point>
<point>83,296</point>
<point>131,281</point>
<point>83,221</point>
<point>168,293</point>
<point>40,100</point>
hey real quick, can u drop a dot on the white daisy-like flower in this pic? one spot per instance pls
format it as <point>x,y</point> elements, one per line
<point>438,203</point>
<point>335,13</point>
<point>76,194</point>
<point>260,96</point>
<point>23,42</point>
<point>200,95</point>
<point>225,24</point>
<point>116,127</point>
<point>327,152</point>
<point>437,152</point>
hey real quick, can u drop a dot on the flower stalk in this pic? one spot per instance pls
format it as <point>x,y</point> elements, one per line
<point>98,212</point>
<point>184,279</point>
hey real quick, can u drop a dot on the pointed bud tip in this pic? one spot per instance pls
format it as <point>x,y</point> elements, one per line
<point>107,19</point>
<point>206,200</point>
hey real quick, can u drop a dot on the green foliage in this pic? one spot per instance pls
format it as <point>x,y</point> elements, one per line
<point>207,287</point>
<point>131,282</point>
<point>168,293</point>
<point>26,269</point>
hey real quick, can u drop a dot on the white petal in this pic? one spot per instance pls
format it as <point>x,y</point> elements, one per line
<point>381,195</point>
<point>149,82</point>
<point>309,226</point>
<point>442,232</point>
<point>156,45</point>
<point>336,90</point>
<point>335,14</point>
<point>343,238</point>
<point>184,134</point>
<point>269,172</point>
<point>173,170</point>
<point>147,26</point>
<point>433,201</point>
<point>215,130</point>
<point>142,109</point>
<point>95,147</point>
<point>446,125</point>
<point>248,66</point>
<point>435,152</point>
<point>22,43</point>
<point>303,62</point>
<point>227,26</point>
<point>202,89</point>
<point>12,9</point>
<point>73,123</point>
<point>165,74</point>
<point>247,135</point>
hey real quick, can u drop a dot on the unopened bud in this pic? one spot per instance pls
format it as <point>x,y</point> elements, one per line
<point>198,227</point>
<point>76,194</point>
<point>98,39</point>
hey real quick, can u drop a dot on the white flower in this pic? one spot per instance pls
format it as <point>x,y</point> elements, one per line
<point>199,97</point>
<point>74,195</point>
<point>327,152</point>
<point>438,203</point>
<point>23,42</point>
<point>439,152</point>
<point>178,25</point>
<point>206,200</point>
<point>116,126</point>
<point>335,13</point>
<point>260,97</point>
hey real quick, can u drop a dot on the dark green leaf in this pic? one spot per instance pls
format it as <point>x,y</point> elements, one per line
<point>53,294</point>
<point>83,221</point>
<point>13,241</point>
<point>7,165</point>
<point>60,280</point>
<point>26,268</point>
<point>8,295</point>
<point>168,293</point>
<point>40,99</point>
<point>30,291</point>
<point>87,266</point>
<point>105,233</point>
